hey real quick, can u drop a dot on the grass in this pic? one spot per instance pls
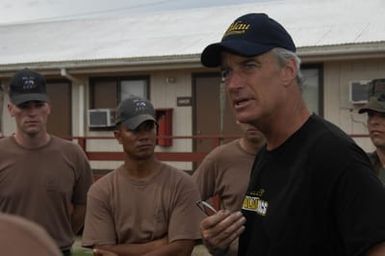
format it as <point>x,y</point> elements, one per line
<point>81,253</point>
<point>78,250</point>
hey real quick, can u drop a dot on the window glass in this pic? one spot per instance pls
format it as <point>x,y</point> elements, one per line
<point>311,89</point>
<point>133,87</point>
<point>107,92</point>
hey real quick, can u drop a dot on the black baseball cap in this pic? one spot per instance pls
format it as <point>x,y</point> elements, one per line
<point>376,97</point>
<point>249,35</point>
<point>133,111</point>
<point>27,85</point>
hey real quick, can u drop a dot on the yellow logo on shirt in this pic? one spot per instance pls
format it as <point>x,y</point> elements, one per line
<point>255,204</point>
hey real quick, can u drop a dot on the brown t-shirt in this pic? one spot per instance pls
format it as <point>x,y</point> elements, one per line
<point>19,236</point>
<point>225,172</point>
<point>124,210</point>
<point>42,184</point>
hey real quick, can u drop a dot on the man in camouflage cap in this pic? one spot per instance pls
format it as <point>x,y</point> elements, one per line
<point>375,108</point>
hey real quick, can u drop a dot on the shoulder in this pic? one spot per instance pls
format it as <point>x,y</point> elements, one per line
<point>67,144</point>
<point>104,185</point>
<point>172,171</point>
<point>175,175</point>
<point>333,151</point>
<point>7,141</point>
<point>223,151</point>
<point>321,133</point>
<point>67,147</point>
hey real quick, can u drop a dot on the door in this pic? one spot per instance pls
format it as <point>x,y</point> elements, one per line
<point>59,121</point>
<point>213,114</point>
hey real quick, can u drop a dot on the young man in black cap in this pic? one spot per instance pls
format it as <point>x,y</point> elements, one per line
<point>312,190</point>
<point>375,108</point>
<point>144,207</point>
<point>42,178</point>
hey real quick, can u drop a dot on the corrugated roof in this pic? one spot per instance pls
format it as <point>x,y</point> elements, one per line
<point>187,32</point>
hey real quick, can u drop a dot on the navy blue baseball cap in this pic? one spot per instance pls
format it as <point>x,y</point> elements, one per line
<point>249,35</point>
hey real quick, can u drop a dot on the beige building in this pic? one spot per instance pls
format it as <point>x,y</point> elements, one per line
<point>91,64</point>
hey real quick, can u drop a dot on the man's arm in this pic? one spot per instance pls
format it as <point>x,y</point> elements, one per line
<point>77,217</point>
<point>133,249</point>
<point>177,248</point>
<point>154,248</point>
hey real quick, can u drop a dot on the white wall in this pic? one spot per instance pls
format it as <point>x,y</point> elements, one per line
<point>337,107</point>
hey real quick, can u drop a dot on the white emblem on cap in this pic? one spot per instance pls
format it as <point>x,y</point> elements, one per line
<point>140,105</point>
<point>28,83</point>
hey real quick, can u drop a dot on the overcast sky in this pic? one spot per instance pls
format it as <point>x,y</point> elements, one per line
<point>20,11</point>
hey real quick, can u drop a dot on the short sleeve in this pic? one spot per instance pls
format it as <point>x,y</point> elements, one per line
<point>205,176</point>
<point>186,216</point>
<point>84,178</point>
<point>99,225</point>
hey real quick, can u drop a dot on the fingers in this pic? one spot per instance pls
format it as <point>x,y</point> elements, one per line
<point>214,219</point>
<point>221,229</point>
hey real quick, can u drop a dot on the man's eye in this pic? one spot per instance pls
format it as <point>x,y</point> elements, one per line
<point>225,74</point>
<point>249,65</point>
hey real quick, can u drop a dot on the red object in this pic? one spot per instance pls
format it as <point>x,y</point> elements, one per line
<point>164,118</point>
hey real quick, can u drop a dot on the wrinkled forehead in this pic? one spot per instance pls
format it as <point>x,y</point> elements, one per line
<point>229,59</point>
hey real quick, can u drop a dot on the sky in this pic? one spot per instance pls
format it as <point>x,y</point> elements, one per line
<point>24,11</point>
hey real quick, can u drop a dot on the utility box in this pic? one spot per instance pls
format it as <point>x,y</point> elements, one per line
<point>164,119</point>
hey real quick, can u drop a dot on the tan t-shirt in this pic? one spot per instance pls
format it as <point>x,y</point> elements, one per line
<point>42,184</point>
<point>124,210</point>
<point>19,236</point>
<point>225,171</point>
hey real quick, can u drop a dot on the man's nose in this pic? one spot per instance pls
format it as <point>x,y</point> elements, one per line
<point>373,120</point>
<point>235,81</point>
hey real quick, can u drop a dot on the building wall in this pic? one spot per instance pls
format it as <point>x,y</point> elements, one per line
<point>165,87</point>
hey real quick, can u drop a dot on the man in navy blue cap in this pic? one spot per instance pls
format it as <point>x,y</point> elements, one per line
<point>312,190</point>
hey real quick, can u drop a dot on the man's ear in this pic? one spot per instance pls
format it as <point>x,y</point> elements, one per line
<point>289,72</point>
<point>49,108</point>
<point>117,135</point>
<point>10,109</point>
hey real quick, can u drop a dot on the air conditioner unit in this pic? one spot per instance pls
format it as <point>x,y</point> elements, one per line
<point>358,91</point>
<point>101,117</point>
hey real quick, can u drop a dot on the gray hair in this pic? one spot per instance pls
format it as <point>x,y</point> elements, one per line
<point>283,56</point>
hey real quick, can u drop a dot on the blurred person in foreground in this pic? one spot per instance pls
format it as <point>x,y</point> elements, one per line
<point>19,236</point>
<point>42,177</point>
<point>144,207</point>
<point>375,108</point>
<point>225,171</point>
<point>312,190</point>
